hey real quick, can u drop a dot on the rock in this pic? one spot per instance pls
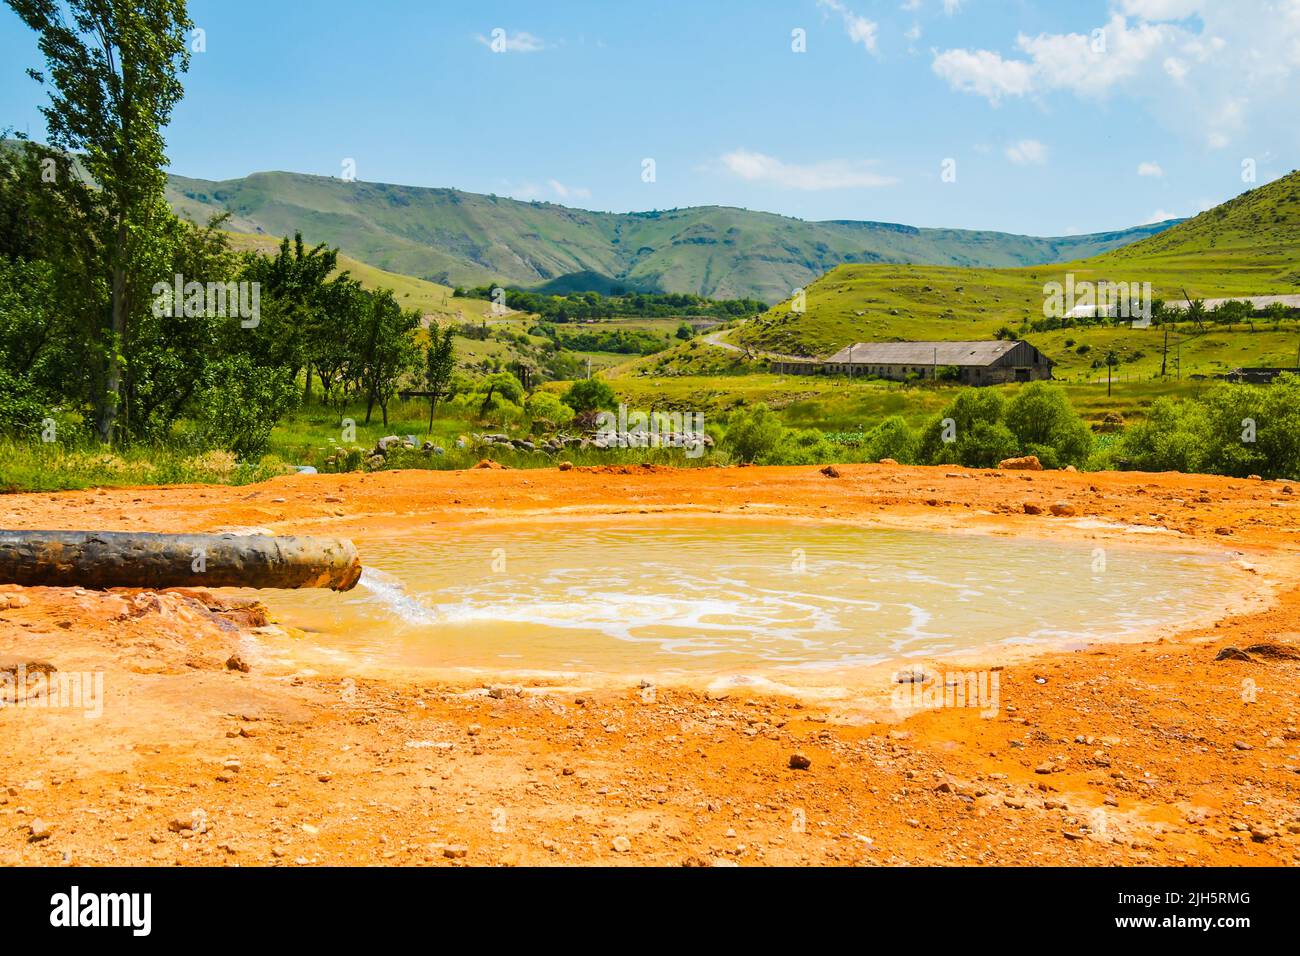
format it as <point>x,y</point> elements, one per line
<point>799,762</point>
<point>1045,767</point>
<point>38,830</point>
<point>455,851</point>
<point>622,844</point>
<point>1233,654</point>
<point>1242,745</point>
<point>489,463</point>
<point>913,675</point>
<point>830,471</point>
<point>1260,833</point>
<point>386,442</point>
<point>1274,652</point>
<point>566,466</point>
<point>888,461</point>
<point>1032,509</point>
<point>310,830</point>
<point>502,691</point>
<point>11,601</point>
<point>1027,463</point>
<point>1063,509</point>
<point>237,663</point>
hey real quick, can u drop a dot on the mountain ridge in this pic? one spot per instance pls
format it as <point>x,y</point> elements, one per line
<point>455,237</point>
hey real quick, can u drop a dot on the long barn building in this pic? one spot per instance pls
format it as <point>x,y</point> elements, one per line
<point>976,363</point>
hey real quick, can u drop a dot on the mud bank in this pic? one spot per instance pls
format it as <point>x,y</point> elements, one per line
<point>200,748</point>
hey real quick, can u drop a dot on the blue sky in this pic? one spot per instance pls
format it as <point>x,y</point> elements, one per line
<point>1061,117</point>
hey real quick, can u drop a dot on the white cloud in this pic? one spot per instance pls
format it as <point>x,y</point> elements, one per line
<point>1204,68</point>
<point>913,34</point>
<point>830,174</point>
<point>568,192</point>
<point>1150,169</point>
<point>1027,152</point>
<point>1160,215</point>
<point>501,41</point>
<point>911,5</point>
<point>951,6</point>
<point>985,74</point>
<point>860,29</point>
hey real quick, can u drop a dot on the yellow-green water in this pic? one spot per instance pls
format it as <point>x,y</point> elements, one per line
<point>695,598</point>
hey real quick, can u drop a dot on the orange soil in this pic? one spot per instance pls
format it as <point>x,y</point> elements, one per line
<point>1148,752</point>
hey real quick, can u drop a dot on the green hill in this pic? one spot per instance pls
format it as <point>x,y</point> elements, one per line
<point>1247,246</point>
<point>459,238</point>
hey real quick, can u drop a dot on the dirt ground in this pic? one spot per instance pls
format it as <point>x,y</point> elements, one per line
<point>1153,752</point>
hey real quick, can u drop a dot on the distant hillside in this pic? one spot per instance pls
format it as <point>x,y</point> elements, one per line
<point>459,238</point>
<point>1249,245</point>
<point>428,297</point>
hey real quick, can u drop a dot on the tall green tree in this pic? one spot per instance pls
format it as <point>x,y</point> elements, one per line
<point>113,70</point>
<point>389,351</point>
<point>439,364</point>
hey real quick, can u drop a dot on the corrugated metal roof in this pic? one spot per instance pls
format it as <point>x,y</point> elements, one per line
<point>923,353</point>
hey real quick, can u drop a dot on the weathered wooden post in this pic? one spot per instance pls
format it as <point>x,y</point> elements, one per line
<point>109,559</point>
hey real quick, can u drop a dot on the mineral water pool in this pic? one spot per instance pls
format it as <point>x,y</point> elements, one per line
<point>696,597</point>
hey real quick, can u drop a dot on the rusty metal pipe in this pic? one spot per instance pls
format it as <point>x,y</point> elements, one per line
<point>115,559</point>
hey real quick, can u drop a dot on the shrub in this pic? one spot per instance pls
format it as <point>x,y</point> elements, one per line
<point>754,434</point>
<point>1046,424</point>
<point>241,404</point>
<point>545,408</point>
<point>893,438</point>
<point>21,409</point>
<point>590,394</point>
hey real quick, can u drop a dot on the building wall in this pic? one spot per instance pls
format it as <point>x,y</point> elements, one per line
<point>967,374</point>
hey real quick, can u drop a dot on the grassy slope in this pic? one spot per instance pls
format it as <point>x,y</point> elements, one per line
<point>1247,246</point>
<point>458,237</point>
<point>429,297</point>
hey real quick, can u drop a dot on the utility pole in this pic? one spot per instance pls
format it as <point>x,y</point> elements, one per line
<point>1164,356</point>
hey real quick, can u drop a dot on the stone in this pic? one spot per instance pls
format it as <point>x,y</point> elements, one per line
<point>830,471</point>
<point>799,762</point>
<point>1032,509</point>
<point>566,466</point>
<point>622,844</point>
<point>1026,463</point>
<point>455,851</point>
<point>888,461</point>
<point>237,663</point>
<point>1231,653</point>
<point>38,830</point>
<point>1063,509</point>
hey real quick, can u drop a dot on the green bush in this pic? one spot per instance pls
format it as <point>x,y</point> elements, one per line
<point>1234,429</point>
<point>754,434</point>
<point>545,408</point>
<point>893,438</point>
<point>590,395</point>
<point>1045,424</point>
<point>241,404</point>
<point>21,410</point>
